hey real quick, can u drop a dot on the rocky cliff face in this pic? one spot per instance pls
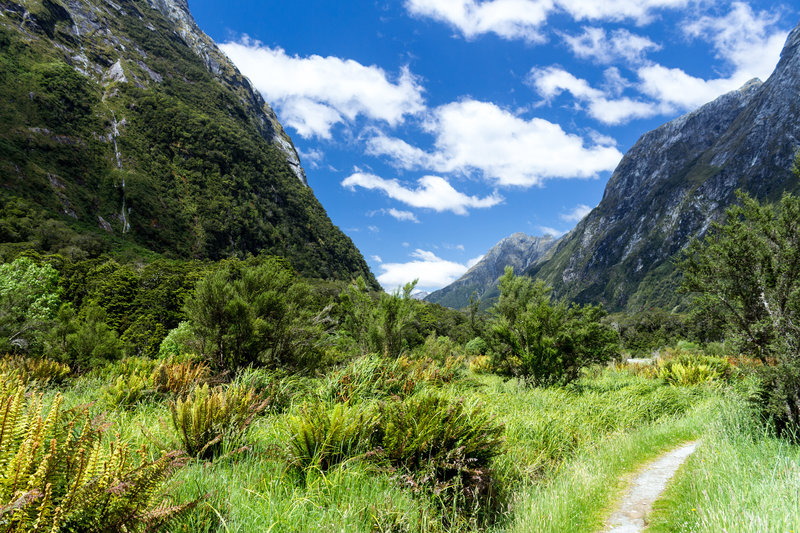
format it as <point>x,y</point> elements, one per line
<point>519,251</point>
<point>673,183</point>
<point>122,123</point>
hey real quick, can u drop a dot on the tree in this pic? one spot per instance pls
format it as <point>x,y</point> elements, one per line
<point>256,312</point>
<point>746,274</point>
<point>377,323</point>
<point>29,299</point>
<point>545,342</point>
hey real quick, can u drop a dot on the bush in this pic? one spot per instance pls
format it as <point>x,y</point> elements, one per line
<point>60,475</point>
<point>179,341</point>
<point>321,437</point>
<point>544,342</point>
<point>440,349</point>
<point>481,364</point>
<point>207,417</point>
<point>476,346</point>
<point>369,377</point>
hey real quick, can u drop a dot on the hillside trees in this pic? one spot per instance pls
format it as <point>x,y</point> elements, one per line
<point>746,273</point>
<point>256,312</point>
<point>545,342</point>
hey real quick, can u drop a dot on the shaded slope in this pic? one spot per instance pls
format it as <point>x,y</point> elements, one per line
<point>123,126</point>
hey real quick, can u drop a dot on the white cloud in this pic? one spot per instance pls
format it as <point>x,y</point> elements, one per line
<point>746,40</point>
<point>556,233</point>
<point>314,93</point>
<point>473,136</point>
<point>377,259</point>
<point>576,214</point>
<point>403,216</point>
<point>510,19</point>
<point>474,261</point>
<point>552,81</point>
<point>639,11</point>
<point>523,19</point>
<point>312,157</point>
<point>432,271</point>
<point>433,192</point>
<point>595,43</point>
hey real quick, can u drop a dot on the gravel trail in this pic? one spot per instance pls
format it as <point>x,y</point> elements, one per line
<point>645,489</point>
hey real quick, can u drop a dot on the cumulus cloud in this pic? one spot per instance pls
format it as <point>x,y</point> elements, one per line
<point>480,137</point>
<point>746,40</point>
<point>432,192</point>
<point>314,93</point>
<point>576,214</point>
<point>523,19</point>
<point>510,19</point>
<point>433,272</point>
<point>377,259</point>
<point>552,81</point>
<point>594,43</point>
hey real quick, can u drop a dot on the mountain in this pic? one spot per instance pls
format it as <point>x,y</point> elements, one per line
<point>124,128</point>
<point>672,184</point>
<point>519,251</point>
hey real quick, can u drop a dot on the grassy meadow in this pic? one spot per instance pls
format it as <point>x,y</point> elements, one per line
<point>373,445</point>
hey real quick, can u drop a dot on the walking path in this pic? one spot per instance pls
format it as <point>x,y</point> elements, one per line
<point>646,489</point>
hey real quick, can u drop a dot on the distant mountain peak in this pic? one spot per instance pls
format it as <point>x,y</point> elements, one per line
<point>518,250</point>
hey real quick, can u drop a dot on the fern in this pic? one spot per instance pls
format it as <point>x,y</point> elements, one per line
<point>57,473</point>
<point>180,378</point>
<point>41,371</point>
<point>126,390</point>
<point>209,415</point>
<point>318,437</point>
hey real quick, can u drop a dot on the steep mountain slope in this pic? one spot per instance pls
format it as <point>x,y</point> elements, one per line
<point>122,125</point>
<point>519,251</point>
<point>672,184</point>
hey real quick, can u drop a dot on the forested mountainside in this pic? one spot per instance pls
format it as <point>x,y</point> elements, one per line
<point>519,250</point>
<point>672,184</point>
<point>123,127</point>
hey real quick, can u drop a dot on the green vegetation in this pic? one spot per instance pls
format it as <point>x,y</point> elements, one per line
<point>174,162</point>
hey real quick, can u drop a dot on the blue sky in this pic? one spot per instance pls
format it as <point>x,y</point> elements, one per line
<point>431,129</point>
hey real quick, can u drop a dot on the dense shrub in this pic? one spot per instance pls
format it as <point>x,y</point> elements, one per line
<point>746,275</point>
<point>545,342</point>
<point>476,346</point>
<point>377,323</point>
<point>257,313</point>
<point>209,416</point>
<point>59,475</point>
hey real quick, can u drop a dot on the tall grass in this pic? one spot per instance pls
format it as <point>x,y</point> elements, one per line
<point>741,480</point>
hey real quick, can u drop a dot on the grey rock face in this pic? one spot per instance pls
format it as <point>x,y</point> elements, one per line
<point>519,251</point>
<point>673,183</point>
